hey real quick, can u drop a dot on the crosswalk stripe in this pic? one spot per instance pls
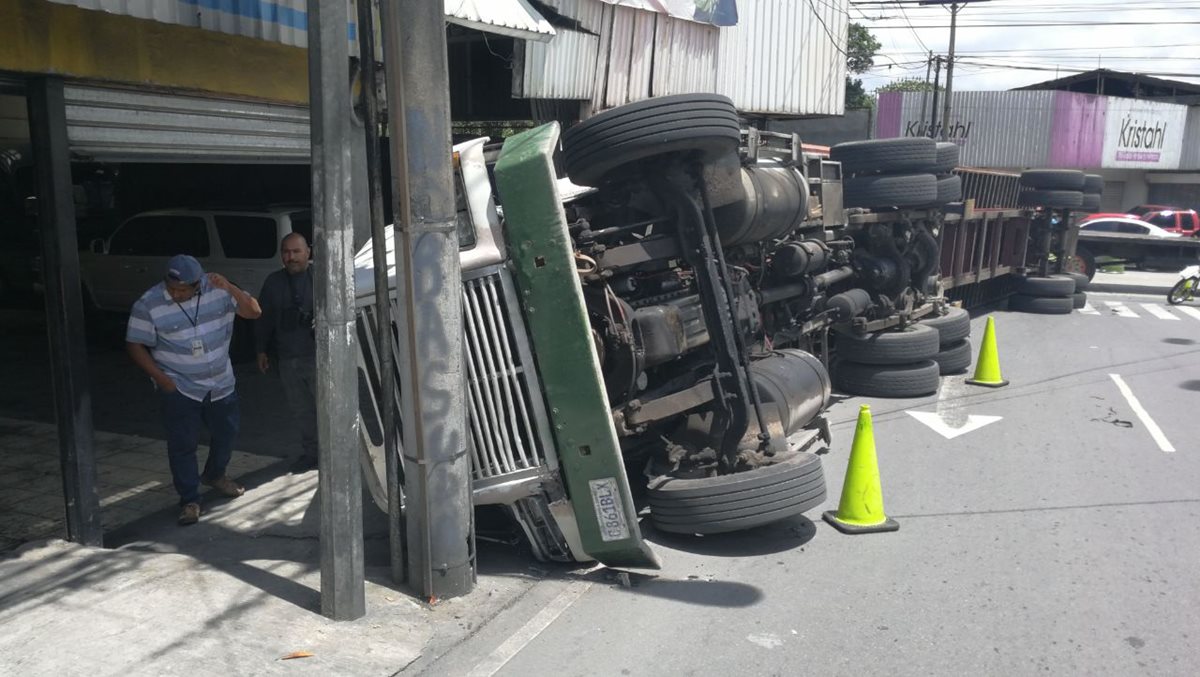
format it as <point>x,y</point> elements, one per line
<point>1120,309</point>
<point>1159,312</point>
<point>1087,309</point>
<point>1187,310</point>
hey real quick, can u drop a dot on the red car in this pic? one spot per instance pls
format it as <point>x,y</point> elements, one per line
<point>1186,222</point>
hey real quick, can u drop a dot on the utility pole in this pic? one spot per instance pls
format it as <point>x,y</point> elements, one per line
<point>437,474</point>
<point>933,111</point>
<point>925,92</point>
<point>955,5</point>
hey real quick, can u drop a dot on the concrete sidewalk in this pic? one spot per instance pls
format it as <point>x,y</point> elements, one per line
<point>231,595</point>
<point>1134,282</point>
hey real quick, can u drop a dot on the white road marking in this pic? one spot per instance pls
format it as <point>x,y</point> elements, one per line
<point>1119,308</point>
<point>1142,414</point>
<point>532,628</point>
<point>1188,310</point>
<point>1087,309</point>
<point>1159,312</point>
<point>951,418</point>
<point>768,640</point>
<point>972,423</point>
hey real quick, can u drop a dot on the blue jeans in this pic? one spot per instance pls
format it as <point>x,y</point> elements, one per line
<point>182,416</point>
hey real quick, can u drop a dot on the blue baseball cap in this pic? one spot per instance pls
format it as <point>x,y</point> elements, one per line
<point>185,269</point>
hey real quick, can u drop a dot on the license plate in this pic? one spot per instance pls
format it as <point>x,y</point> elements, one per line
<point>610,514</point>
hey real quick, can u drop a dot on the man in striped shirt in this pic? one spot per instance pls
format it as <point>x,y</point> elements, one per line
<point>179,333</point>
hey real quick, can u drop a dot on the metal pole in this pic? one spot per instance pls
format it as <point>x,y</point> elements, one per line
<point>925,92</point>
<point>437,471</point>
<point>949,74</point>
<point>937,75</point>
<point>64,309</point>
<point>383,298</point>
<point>342,584</point>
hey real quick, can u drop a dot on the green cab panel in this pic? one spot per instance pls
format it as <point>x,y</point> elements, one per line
<point>543,264</point>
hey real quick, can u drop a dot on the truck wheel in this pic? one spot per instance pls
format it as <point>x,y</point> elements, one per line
<point>713,505</point>
<point>947,158</point>
<point>1045,286</point>
<point>952,327</point>
<point>913,343</point>
<point>1081,280</point>
<point>1053,179</point>
<point>1078,300</point>
<point>886,155</point>
<point>1090,202</point>
<point>1041,305</point>
<point>1066,199</point>
<point>954,359</point>
<point>905,190</point>
<point>949,189</point>
<point>704,123</point>
<point>895,380</point>
<point>1083,263</point>
<point>1093,183</point>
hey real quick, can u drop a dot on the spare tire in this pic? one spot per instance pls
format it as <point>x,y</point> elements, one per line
<point>1081,280</point>
<point>894,380</point>
<point>1078,300</point>
<point>1068,199</point>
<point>947,158</point>
<point>952,327</point>
<point>880,191</point>
<point>711,505</point>
<point>913,343</point>
<point>699,123</point>
<point>1053,179</point>
<point>912,154</point>
<point>1090,202</point>
<point>1045,286</point>
<point>1093,183</point>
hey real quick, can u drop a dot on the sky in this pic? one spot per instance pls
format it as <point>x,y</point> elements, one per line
<point>1155,37</point>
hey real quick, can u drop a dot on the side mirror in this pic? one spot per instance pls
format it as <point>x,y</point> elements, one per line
<point>97,246</point>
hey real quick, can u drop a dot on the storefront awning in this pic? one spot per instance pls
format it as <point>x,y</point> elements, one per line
<point>514,18</point>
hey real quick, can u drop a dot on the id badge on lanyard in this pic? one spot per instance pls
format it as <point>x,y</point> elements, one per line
<point>197,347</point>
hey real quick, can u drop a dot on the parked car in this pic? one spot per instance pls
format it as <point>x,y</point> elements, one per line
<point>1125,225</point>
<point>1181,221</point>
<point>241,244</point>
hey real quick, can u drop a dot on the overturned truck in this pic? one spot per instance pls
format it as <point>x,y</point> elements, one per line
<point>665,314</point>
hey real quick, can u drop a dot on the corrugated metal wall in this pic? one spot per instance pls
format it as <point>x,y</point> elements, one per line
<point>283,21</point>
<point>786,57</point>
<point>563,68</point>
<point>1191,140</point>
<point>119,125</point>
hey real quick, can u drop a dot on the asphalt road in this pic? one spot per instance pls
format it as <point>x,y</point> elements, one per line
<point>1060,539</point>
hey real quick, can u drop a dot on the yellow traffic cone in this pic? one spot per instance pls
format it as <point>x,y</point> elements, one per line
<point>987,367</point>
<point>861,508</point>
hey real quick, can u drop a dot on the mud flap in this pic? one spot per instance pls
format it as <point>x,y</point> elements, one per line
<point>552,302</point>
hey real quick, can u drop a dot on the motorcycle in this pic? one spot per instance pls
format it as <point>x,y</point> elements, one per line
<point>1185,288</point>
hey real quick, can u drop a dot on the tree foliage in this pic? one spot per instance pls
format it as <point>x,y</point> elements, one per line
<point>908,85</point>
<point>861,48</point>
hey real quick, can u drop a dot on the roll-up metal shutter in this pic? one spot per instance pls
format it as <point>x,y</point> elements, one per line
<point>121,125</point>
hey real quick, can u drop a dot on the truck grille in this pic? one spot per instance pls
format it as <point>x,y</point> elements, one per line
<point>502,410</point>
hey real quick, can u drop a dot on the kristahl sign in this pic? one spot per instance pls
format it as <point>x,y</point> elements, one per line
<point>1143,134</point>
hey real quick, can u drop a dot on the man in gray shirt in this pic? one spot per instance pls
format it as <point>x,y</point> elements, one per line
<point>287,324</point>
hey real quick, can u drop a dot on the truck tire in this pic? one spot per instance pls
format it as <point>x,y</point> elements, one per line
<point>954,359</point>
<point>914,343</point>
<point>946,157</point>
<point>1045,286</point>
<point>949,189</point>
<point>886,155</point>
<point>905,190</point>
<point>596,147</point>
<point>1093,183</point>
<point>1078,300</point>
<point>1081,280</point>
<point>952,327</point>
<point>1042,305</point>
<point>1090,203</point>
<point>1083,263</point>
<point>713,505</point>
<point>1066,199</point>
<point>1053,179</point>
<point>894,380</point>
